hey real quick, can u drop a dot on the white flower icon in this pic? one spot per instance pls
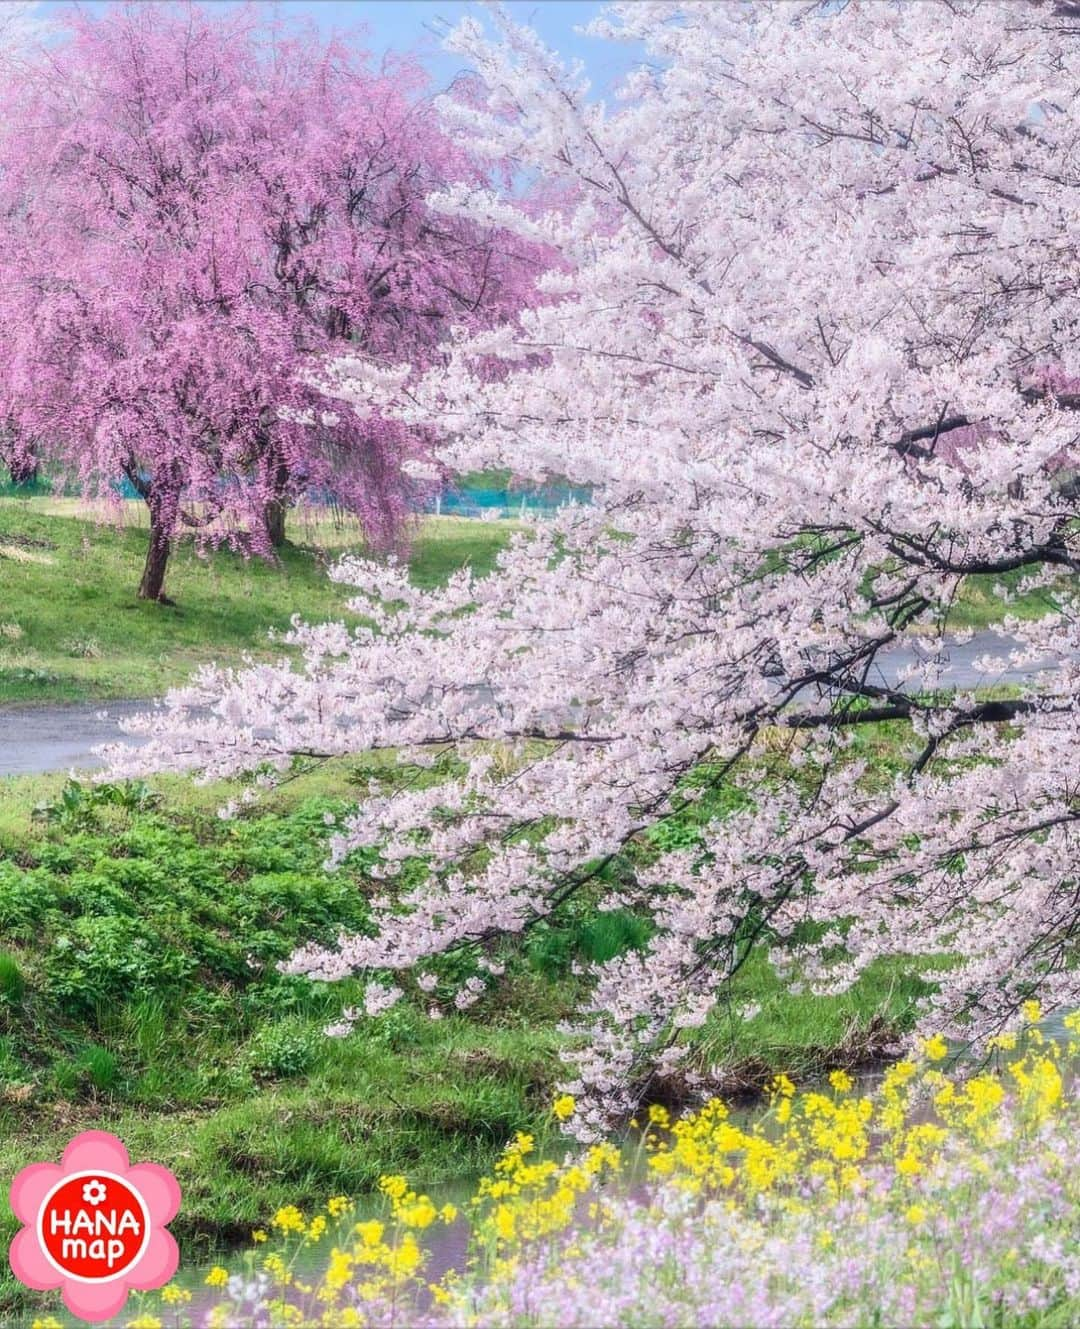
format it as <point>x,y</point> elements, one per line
<point>94,1191</point>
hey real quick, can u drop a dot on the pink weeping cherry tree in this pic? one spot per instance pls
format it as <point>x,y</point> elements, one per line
<point>19,27</point>
<point>198,204</point>
<point>817,358</point>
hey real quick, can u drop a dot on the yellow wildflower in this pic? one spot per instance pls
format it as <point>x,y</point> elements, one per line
<point>504,1222</point>
<point>405,1259</point>
<point>289,1219</point>
<point>338,1271</point>
<point>217,1277</point>
<point>371,1232</point>
<point>564,1106</point>
<point>935,1048</point>
<point>393,1186</point>
<point>841,1081</point>
<point>419,1215</point>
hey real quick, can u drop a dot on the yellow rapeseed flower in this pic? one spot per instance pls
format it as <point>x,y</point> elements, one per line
<point>288,1219</point>
<point>419,1215</point>
<point>564,1106</point>
<point>371,1232</point>
<point>841,1081</point>
<point>935,1048</point>
<point>780,1084</point>
<point>393,1186</point>
<point>217,1277</point>
<point>405,1259</point>
<point>505,1222</point>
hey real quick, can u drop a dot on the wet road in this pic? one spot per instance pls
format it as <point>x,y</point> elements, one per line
<point>37,739</point>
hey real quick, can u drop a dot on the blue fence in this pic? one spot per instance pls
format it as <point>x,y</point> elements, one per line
<point>466,501</point>
<point>507,502</point>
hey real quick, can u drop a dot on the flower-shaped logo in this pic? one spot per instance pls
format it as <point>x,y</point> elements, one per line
<point>94,1225</point>
<point>94,1191</point>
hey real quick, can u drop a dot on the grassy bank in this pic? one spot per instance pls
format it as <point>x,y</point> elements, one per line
<point>139,993</point>
<point>140,934</point>
<point>71,628</point>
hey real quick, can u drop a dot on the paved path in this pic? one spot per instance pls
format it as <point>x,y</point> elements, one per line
<point>37,739</point>
<point>961,671</point>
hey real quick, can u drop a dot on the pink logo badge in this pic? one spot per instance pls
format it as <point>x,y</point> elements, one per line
<point>94,1225</point>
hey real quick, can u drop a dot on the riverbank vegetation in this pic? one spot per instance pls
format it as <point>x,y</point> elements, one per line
<point>139,994</point>
<point>944,1196</point>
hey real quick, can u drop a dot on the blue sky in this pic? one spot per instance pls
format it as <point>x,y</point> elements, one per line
<point>409,25</point>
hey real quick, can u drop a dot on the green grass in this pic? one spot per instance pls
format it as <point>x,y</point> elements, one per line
<point>799,1033</point>
<point>139,994</point>
<point>978,607</point>
<point>138,940</point>
<point>71,628</point>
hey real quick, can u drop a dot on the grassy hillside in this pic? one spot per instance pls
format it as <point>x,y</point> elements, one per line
<point>71,628</point>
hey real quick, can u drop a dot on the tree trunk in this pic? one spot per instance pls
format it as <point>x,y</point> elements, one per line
<point>24,471</point>
<point>274,517</point>
<point>152,586</point>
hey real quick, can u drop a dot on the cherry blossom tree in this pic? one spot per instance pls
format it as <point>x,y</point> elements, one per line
<point>199,204</point>
<point>19,26</point>
<point>817,357</point>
